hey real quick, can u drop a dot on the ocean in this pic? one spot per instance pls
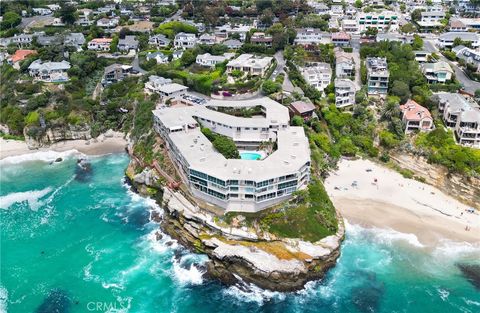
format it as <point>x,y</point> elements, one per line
<point>75,241</point>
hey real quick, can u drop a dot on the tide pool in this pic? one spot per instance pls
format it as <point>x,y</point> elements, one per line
<point>83,242</point>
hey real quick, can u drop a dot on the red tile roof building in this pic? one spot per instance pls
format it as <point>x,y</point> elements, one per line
<point>21,55</point>
<point>416,117</point>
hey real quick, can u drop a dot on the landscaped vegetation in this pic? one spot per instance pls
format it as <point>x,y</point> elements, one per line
<point>223,144</point>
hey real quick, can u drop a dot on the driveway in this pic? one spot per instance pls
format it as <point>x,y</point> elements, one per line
<point>356,56</point>
<point>136,66</point>
<point>287,84</point>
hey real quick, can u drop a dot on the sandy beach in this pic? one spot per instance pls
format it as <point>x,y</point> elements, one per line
<point>111,142</point>
<point>394,202</point>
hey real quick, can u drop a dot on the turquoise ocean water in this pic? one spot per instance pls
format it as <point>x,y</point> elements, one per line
<point>76,242</point>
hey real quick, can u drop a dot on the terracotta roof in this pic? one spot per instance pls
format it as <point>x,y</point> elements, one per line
<point>102,40</point>
<point>456,24</point>
<point>412,111</point>
<point>20,55</point>
<point>340,36</point>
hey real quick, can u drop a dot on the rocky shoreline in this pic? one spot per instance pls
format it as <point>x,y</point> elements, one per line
<point>238,253</point>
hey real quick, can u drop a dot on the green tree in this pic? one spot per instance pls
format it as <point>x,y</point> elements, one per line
<point>358,4</point>
<point>388,140</point>
<point>269,87</point>
<point>10,20</point>
<point>371,32</point>
<point>417,42</point>
<point>416,15</point>
<point>401,90</point>
<point>67,14</point>
<point>391,108</point>
<point>188,57</point>
<point>408,28</point>
<point>297,120</point>
<point>226,146</point>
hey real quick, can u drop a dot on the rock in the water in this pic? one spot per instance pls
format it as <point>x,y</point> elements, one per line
<point>56,302</point>
<point>83,171</point>
<point>472,273</point>
<point>58,160</point>
<point>158,235</point>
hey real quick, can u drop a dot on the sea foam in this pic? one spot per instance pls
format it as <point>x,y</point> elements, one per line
<point>32,197</point>
<point>45,156</point>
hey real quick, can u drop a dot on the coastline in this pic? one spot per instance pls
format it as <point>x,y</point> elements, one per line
<point>110,142</point>
<point>398,203</point>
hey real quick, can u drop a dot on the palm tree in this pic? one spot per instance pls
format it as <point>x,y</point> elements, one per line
<point>390,109</point>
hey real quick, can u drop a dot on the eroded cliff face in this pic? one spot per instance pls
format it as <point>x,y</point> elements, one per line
<point>55,134</point>
<point>465,189</point>
<point>280,264</point>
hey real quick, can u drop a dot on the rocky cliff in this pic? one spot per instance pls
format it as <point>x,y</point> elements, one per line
<point>45,137</point>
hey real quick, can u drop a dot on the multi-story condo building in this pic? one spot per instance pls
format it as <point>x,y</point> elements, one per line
<point>381,21</point>
<point>377,76</point>
<point>100,44</point>
<point>416,117</point>
<point>439,72</point>
<point>462,116</point>
<point>431,19</point>
<point>344,92</point>
<point>311,36</point>
<point>446,40</point>
<point>251,64</point>
<point>184,41</point>
<point>340,39</point>
<point>236,184</point>
<point>350,26</point>
<point>49,71</point>
<point>318,76</point>
<point>344,63</point>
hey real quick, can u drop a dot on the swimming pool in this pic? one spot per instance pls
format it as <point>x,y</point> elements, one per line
<point>250,156</point>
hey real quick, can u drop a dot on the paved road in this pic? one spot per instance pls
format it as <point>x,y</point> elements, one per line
<point>356,57</point>
<point>469,85</point>
<point>287,84</point>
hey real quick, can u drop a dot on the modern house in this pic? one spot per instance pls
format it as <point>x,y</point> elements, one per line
<point>422,56</point>
<point>311,36</point>
<point>462,116</point>
<point>416,117</point>
<point>49,71</point>
<point>128,43</point>
<point>225,31</point>
<point>344,63</point>
<point>377,75</point>
<point>115,73</point>
<point>439,72</point>
<point>232,43</point>
<point>184,41</point>
<point>446,40</point>
<point>260,38</point>
<point>250,64</point>
<point>318,76</point>
<point>74,40</point>
<point>469,56</point>
<point>108,22</point>
<point>157,56</point>
<point>344,92</point>
<point>100,44</point>
<point>159,41</point>
<point>303,109</point>
<point>164,87</point>
<point>211,60</point>
<point>207,39</point>
<point>240,185</point>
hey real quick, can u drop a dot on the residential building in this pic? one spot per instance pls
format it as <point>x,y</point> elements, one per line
<point>226,30</point>
<point>41,11</point>
<point>19,56</point>
<point>344,63</point>
<point>251,64</point>
<point>344,92</point>
<point>303,109</point>
<point>164,87</point>
<point>115,73</point>
<point>159,41</point>
<point>49,71</point>
<point>438,72</point>
<point>462,116</point>
<point>74,40</point>
<point>341,39</point>
<point>157,56</point>
<point>128,43</point>
<point>378,20</point>
<point>311,36</point>
<point>207,39</point>
<point>84,21</point>
<point>431,19</point>
<point>336,10</point>
<point>318,76</point>
<point>394,37</point>
<point>416,117</point>
<point>260,38</point>
<point>422,56</point>
<point>232,43</point>
<point>211,60</point>
<point>99,44</point>
<point>177,54</point>
<point>457,25</point>
<point>446,40</point>
<point>319,8</point>
<point>22,39</point>
<point>184,41</point>
<point>107,22</point>
<point>468,55</point>
<point>350,26</point>
<point>236,184</point>
<point>377,75</point>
